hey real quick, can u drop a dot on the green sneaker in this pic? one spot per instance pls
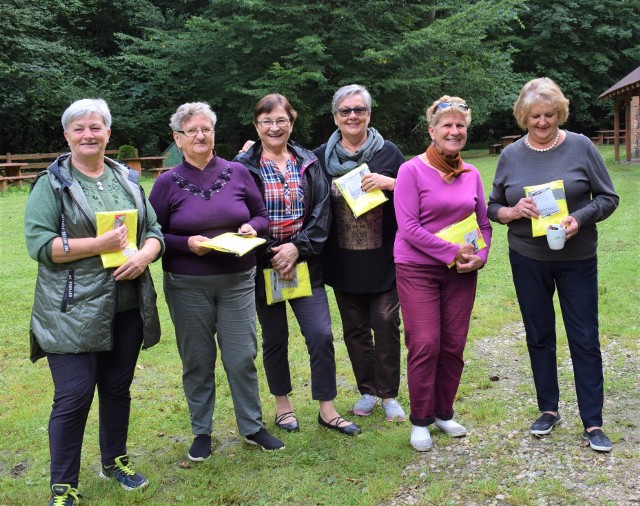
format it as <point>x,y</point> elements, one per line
<point>63,495</point>
<point>123,474</point>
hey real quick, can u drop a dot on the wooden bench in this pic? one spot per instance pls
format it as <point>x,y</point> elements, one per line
<point>157,171</point>
<point>40,161</point>
<point>608,136</point>
<point>5,181</point>
<point>509,139</point>
<point>494,149</point>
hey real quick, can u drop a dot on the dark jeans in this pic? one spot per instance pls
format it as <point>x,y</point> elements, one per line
<point>75,377</point>
<point>436,309</point>
<point>375,363</point>
<point>577,284</point>
<point>314,319</point>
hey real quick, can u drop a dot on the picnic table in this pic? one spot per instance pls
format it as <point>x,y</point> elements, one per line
<point>12,174</point>
<point>604,136</point>
<point>509,139</point>
<point>151,162</point>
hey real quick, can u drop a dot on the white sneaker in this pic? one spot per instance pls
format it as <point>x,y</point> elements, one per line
<point>420,438</point>
<point>451,427</point>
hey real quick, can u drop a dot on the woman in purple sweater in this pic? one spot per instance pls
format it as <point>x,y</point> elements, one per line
<point>208,292</point>
<point>434,190</point>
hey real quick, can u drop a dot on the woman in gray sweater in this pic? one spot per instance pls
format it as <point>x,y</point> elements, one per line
<point>567,169</point>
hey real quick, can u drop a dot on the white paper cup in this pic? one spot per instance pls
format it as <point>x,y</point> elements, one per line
<point>556,236</point>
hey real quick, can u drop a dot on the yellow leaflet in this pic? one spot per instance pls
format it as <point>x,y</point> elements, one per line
<point>552,205</point>
<point>278,290</point>
<point>350,187</point>
<point>466,231</point>
<point>233,243</point>
<point>108,220</point>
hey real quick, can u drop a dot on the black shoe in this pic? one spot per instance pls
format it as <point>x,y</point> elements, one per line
<point>598,441</point>
<point>200,448</point>
<point>289,427</point>
<point>265,440</point>
<point>334,424</point>
<point>544,424</point>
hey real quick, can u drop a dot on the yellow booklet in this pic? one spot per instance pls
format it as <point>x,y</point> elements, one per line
<point>108,220</point>
<point>350,187</point>
<point>552,205</point>
<point>466,231</point>
<point>230,242</point>
<point>278,290</point>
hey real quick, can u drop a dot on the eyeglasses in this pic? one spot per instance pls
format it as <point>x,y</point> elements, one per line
<point>460,105</point>
<point>268,123</point>
<point>192,132</point>
<point>345,112</point>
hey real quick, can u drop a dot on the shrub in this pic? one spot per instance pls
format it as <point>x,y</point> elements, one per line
<point>127,151</point>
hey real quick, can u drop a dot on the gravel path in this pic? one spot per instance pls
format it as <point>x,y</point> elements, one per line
<point>507,465</point>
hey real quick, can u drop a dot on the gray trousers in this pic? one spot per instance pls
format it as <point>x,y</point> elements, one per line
<point>201,307</point>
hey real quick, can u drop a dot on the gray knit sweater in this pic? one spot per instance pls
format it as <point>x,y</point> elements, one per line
<point>590,194</point>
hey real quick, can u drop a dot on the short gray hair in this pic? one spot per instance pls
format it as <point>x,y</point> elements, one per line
<point>347,91</point>
<point>186,111</point>
<point>85,107</point>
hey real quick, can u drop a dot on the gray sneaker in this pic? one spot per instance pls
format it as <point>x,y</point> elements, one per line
<point>393,411</point>
<point>365,405</point>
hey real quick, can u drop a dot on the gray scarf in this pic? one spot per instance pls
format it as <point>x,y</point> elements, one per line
<point>339,161</point>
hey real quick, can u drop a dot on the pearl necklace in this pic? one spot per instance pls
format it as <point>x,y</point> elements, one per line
<point>542,150</point>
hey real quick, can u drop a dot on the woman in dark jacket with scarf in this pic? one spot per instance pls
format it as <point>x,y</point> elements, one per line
<point>296,195</point>
<point>357,260</point>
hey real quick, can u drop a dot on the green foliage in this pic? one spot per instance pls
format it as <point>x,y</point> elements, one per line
<point>146,57</point>
<point>585,46</point>
<point>126,151</point>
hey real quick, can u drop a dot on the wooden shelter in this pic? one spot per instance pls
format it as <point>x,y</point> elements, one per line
<point>626,92</point>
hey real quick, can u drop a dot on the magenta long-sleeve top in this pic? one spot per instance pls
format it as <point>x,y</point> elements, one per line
<point>425,204</point>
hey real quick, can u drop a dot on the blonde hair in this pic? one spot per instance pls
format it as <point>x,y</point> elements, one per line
<point>434,112</point>
<point>540,91</point>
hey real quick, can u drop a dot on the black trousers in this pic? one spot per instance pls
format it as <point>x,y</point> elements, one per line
<point>314,319</point>
<point>577,284</point>
<point>75,377</point>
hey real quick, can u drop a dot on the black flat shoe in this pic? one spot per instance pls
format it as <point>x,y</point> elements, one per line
<point>334,424</point>
<point>598,440</point>
<point>289,427</point>
<point>544,424</point>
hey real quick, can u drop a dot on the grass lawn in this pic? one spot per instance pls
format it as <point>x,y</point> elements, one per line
<point>318,467</point>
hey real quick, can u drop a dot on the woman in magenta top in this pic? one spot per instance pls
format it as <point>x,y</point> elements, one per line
<point>434,190</point>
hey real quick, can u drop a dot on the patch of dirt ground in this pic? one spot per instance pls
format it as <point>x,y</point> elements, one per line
<point>519,468</point>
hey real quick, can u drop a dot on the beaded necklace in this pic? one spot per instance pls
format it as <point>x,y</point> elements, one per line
<point>542,150</point>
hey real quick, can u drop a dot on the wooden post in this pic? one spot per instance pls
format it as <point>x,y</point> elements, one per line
<point>616,127</point>
<point>629,119</point>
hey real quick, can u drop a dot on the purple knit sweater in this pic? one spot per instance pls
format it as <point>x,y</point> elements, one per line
<point>179,197</point>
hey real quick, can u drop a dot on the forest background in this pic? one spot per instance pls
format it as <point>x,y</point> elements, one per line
<point>146,57</point>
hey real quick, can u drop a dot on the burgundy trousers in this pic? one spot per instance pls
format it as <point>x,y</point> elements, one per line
<point>436,304</point>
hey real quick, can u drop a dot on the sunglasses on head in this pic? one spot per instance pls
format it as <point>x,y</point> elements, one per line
<point>460,105</point>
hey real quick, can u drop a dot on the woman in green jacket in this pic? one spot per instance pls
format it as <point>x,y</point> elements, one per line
<point>90,321</point>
